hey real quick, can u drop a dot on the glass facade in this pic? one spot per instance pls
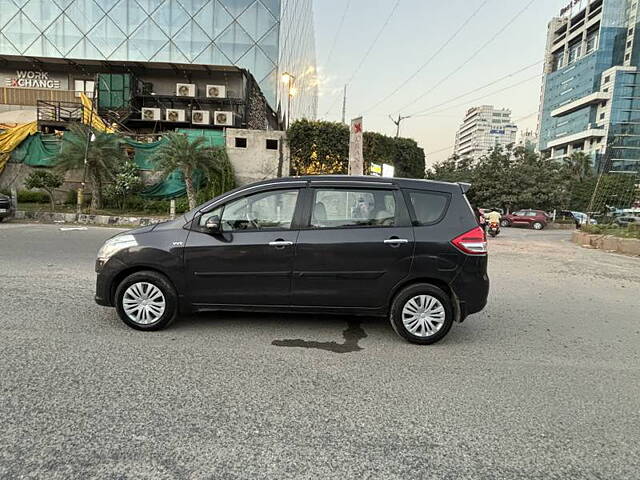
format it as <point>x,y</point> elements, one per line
<point>266,37</point>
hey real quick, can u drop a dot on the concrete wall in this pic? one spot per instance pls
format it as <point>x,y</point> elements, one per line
<point>256,162</point>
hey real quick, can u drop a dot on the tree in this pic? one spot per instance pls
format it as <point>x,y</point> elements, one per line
<point>189,156</point>
<point>579,166</point>
<point>103,154</point>
<point>126,180</point>
<point>46,181</point>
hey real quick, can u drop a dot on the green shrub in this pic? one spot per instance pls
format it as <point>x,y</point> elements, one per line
<point>27,196</point>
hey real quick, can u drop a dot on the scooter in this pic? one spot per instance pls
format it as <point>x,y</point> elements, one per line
<point>493,229</point>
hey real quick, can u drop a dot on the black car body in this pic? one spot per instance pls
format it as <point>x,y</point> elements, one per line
<point>326,244</point>
<point>6,207</point>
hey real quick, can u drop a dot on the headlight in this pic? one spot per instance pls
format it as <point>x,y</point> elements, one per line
<point>114,245</point>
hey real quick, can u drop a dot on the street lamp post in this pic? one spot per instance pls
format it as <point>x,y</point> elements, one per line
<point>289,80</point>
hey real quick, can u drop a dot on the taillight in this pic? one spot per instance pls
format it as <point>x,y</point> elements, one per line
<point>474,242</point>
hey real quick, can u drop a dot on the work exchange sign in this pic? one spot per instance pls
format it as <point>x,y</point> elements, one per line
<point>32,79</point>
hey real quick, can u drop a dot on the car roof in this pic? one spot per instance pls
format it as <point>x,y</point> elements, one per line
<point>419,184</point>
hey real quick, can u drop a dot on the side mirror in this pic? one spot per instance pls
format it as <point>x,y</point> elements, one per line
<point>213,225</point>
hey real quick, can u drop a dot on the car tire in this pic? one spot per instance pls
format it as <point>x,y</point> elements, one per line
<point>147,301</point>
<point>436,301</point>
<point>505,223</point>
<point>537,225</point>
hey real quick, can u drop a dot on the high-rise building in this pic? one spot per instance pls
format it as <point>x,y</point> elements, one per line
<point>68,42</point>
<point>590,98</point>
<point>528,139</point>
<point>482,129</point>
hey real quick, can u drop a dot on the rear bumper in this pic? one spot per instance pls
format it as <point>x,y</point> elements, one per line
<point>471,286</point>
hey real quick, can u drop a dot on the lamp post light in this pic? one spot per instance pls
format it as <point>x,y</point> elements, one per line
<point>289,80</point>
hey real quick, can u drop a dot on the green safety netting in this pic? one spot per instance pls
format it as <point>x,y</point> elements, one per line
<point>40,150</point>
<point>144,152</point>
<point>37,150</point>
<point>173,186</point>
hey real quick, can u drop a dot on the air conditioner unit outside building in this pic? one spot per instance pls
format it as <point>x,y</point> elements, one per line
<point>185,89</point>
<point>223,119</point>
<point>216,91</point>
<point>174,115</point>
<point>200,117</point>
<point>151,114</point>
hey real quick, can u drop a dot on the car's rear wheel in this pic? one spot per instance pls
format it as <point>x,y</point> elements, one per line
<point>422,314</point>
<point>146,301</point>
<point>537,225</point>
<point>505,223</point>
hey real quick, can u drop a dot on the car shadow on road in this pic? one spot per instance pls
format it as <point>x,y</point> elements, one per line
<point>293,330</point>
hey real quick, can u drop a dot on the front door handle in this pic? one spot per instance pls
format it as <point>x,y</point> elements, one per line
<point>396,241</point>
<point>280,243</point>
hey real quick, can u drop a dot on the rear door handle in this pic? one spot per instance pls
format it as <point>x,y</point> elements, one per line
<point>396,241</point>
<point>280,243</point>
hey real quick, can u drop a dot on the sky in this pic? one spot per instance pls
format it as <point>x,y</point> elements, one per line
<point>490,46</point>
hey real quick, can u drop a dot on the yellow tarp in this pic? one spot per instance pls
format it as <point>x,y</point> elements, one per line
<point>90,118</point>
<point>12,137</point>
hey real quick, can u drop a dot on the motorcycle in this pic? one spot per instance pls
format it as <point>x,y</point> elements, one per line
<point>493,228</point>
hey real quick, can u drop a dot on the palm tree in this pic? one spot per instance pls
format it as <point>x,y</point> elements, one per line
<point>188,156</point>
<point>579,165</point>
<point>103,153</point>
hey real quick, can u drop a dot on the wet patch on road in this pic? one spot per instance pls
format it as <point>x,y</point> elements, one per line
<point>352,335</point>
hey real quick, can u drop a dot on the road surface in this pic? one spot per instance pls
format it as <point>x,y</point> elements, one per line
<point>545,383</point>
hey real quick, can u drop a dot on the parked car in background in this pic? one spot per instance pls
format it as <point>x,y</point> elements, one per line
<point>579,218</point>
<point>6,207</point>
<point>410,250</point>
<point>536,219</point>
<point>626,220</point>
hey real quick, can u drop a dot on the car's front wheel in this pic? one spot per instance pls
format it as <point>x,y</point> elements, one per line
<point>422,314</point>
<point>146,301</point>
<point>505,223</point>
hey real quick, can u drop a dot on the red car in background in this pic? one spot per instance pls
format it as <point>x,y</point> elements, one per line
<point>536,219</point>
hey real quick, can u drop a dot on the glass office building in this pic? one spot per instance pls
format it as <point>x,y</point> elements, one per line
<point>591,86</point>
<point>266,37</point>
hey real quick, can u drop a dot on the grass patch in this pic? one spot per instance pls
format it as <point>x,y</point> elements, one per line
<point>623,232</point>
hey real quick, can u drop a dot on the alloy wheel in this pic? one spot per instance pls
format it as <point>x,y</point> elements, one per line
<point>143,303</point>
<point>423,315</point>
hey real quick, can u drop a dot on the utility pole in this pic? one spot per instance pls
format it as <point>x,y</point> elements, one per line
<point>344,105</point>
<point>398,121</point>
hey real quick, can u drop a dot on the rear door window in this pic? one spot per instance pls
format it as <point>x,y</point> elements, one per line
<point>429,207</point>
<point>333,208</point>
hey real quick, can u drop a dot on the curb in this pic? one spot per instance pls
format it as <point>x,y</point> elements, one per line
<point>628,246</point>
<point>86,219</point>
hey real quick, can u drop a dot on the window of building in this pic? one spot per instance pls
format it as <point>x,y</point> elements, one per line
<point>83,86</point>
<point>607,78</point>
<point>353,208</point>
<point>241,142</point>
<point>627,56</point>
<point>574,52</point>
<point>629,43</point>
<point>557,61</point>
<point>630,31</point>
<point>592,40</point>
<point>602,116</point>
<point>272,144</point>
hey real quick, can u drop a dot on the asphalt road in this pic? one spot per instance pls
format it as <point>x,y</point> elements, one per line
<point>545,383</point>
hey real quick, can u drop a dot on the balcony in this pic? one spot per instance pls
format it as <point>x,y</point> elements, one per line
<point>592,99</point>
<point>30,96</point>
<point>56,113</point>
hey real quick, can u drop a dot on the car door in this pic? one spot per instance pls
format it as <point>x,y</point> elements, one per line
<point>357,245</point>
<point>519,217</point>
<point>250,261</point>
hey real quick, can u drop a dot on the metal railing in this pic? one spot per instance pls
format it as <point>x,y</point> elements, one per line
<point>59,111</point>
<point>30,96</point>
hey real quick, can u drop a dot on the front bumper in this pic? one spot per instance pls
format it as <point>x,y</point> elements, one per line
<point>106,275</point>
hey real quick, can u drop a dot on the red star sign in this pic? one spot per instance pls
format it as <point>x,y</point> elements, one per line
<point>357,128</point>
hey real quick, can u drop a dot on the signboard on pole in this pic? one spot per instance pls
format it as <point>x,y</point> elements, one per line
<point>356,159</point>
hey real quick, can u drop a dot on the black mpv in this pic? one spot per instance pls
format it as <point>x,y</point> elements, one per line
<point>408,249</point>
